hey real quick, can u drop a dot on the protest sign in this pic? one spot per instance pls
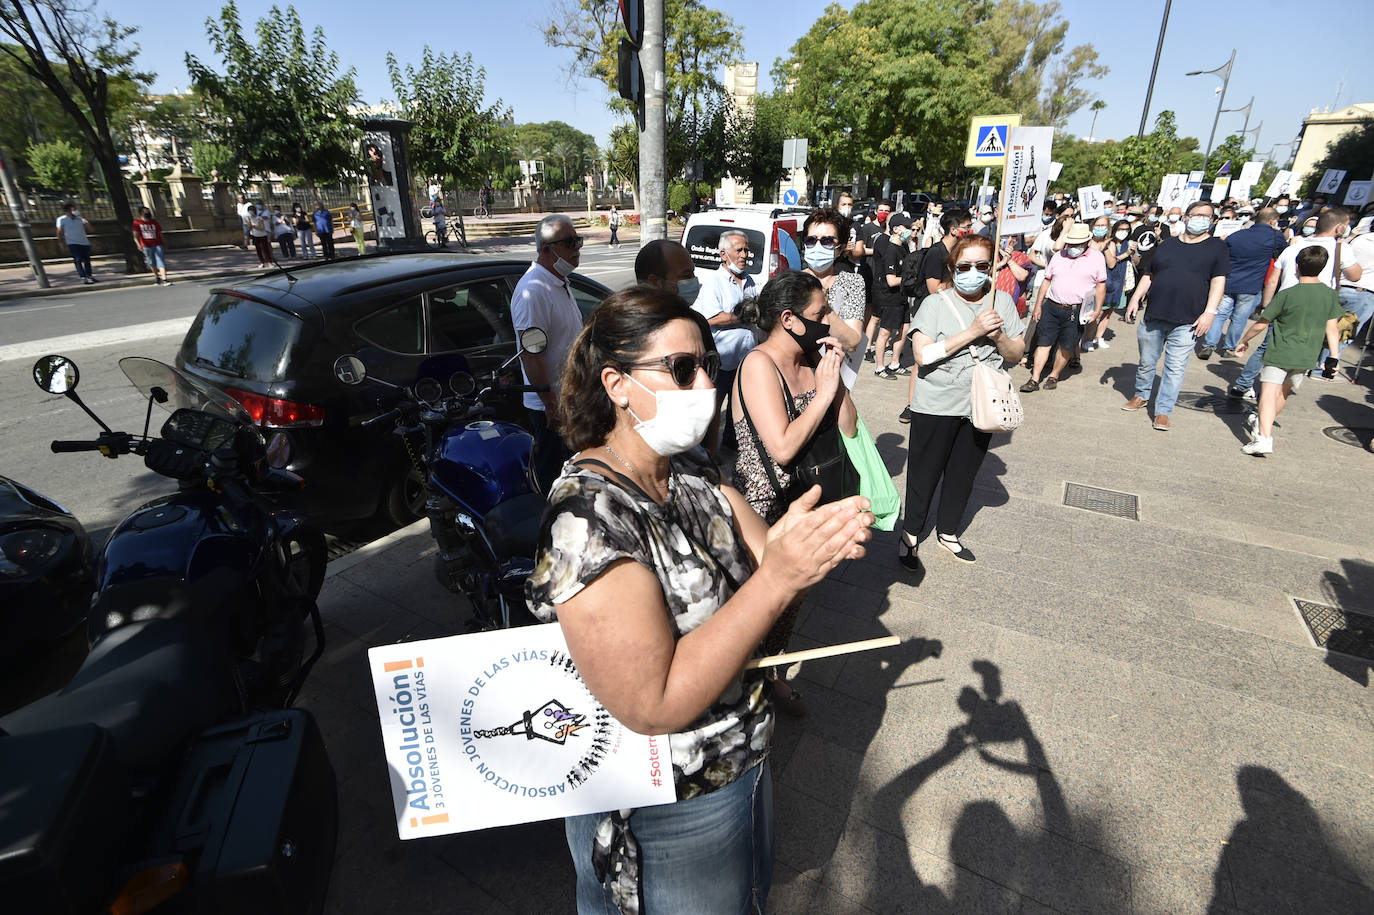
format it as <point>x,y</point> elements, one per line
<point>1091,202</point>
<point>1194,179</point>
<point>1357,194</point>
<point>1028,149</point>
<point>1055,169</point>
<point>1225,227</point>
<point>1282,184</point>
<point>1219,188</point>
<point>1250,173</point>
<point>1171,190</point>
<point>497,728</point>
<point>1331,181</point>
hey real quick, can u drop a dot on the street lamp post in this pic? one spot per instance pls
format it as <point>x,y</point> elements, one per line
<point>1256,131</point>
<point>1224,71</point>
<point>1248,105</point>
<point>1154,69</point>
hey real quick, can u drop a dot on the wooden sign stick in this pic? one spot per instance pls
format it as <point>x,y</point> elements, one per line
<point>812,654</point>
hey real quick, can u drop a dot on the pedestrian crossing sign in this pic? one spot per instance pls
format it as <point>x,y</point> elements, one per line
<point>987,139</point>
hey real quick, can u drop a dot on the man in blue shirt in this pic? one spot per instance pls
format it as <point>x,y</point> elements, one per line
<point>1252,250</point>
<point>324,229</point>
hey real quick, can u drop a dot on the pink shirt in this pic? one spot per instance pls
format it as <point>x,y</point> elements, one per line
<point>1072,278</point>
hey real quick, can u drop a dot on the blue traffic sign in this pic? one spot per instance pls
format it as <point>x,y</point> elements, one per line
<point>992,142</point>
<point>789,197</point>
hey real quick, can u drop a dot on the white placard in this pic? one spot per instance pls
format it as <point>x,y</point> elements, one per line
<point>1241,192</point>
<point>1250,173</point>
<point>1091,201</point>
<point>1171,190</point>
<point>1357,193</point>
<point>1225,227</point>
<point>853,362</point>
<point>1194,179</point>
<point>1190,195</point>
<point>1219,188</point>
<point>1028,150</point>
<point>497,728</point>
<point>1331,181</point>
<point>1055,169</point>
<point>1282,184</point>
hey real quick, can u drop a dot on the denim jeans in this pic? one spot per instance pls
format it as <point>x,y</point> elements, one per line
<point>81,258</point>
<point>1175,343</point>
<point>1360,301</point>
<point>1250,374</point>
<point>1236,307</point>
<point>713,853</point>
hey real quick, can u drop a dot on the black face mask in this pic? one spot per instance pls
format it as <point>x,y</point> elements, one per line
<point>810,339</point>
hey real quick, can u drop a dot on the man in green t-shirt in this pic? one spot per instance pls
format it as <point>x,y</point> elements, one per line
<point>1301,316</point>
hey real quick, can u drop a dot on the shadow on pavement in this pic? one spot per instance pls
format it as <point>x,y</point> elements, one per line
<point>1278,857</point>
<point>1353,590</point>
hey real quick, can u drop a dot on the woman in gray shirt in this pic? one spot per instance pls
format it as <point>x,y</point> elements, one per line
<point>954,329</point>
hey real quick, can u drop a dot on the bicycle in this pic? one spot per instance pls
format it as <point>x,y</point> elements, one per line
<point>438,238</point>
<point>481,212</point>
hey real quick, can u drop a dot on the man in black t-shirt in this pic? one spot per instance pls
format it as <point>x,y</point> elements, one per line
<point>866,241</point>
<point>1185,282</point>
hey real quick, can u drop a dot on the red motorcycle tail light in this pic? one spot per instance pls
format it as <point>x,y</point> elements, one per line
<point>275,413</point>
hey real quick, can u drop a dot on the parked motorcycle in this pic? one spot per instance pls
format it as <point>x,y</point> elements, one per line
<point>482,502</point>
<point>171,774</point>
<point>46,571</point>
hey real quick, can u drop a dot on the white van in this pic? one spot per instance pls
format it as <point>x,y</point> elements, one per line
<point>772,233</point>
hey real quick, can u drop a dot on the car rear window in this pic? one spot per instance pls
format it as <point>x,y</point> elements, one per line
<point>703,243</point>
<point>242,338</point>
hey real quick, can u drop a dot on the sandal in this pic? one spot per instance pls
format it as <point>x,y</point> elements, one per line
<point>956,549</point>
<point>906,553</point>
<point>1051,383</point>
<point>1030,386</point>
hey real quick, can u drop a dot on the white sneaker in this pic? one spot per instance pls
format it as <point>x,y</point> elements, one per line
<point>1260,446</point>
<point>1088,347</point>
<point>1252,425</point>
<point>1102,344</point>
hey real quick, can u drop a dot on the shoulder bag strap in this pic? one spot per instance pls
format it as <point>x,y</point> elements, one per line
<point>765,458</point>
<point>1336,272</point>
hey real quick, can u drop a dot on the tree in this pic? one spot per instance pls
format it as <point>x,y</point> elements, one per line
<point>455,132</point>
<point>1029,68</point>
<point>59,166</point>
<point>1096,107</point>
<point>1082,164</point>
<point>33,114</point>
<point>175,122</point>
<point>623,158</point>
<point>1352,151</point>
<point>1141,163</point>
<point>552,140</point>
<point>753,143</point>
<point>286,111</point>
<point>77,58</point>
<point>208,157</point>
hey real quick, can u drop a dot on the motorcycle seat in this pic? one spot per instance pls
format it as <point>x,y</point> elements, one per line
<point>513,526</point>
<point>151,684</point>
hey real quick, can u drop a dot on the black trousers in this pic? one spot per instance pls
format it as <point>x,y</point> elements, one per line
<point>550,454</point>
<point>941,446</point>
<point>326,244</point>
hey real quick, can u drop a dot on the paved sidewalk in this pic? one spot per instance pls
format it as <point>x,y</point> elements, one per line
<point>18,281</point>
<point>1127,716</point>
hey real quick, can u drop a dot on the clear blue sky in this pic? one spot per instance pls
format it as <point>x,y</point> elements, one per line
<point>504,38</point>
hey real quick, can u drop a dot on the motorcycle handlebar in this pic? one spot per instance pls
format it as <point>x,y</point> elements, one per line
<point>58,447</point>
<point>387,417</point>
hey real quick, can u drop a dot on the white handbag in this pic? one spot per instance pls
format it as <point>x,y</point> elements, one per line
<point>996,403</point>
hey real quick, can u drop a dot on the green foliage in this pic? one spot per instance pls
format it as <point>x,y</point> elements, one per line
<point>1231,149</point>
<point>281,103</point>
<point>208,156</point>
<point>1352,151</point>
<point>33,114</point>
<point>565,150</point>
<point>1082,163</point>
<point>753,143</point>
<point>58,166</point>
<point>1141,163</point>
<point>455,133</point>
<point>1029,66</point>
<point>294,181</point>
<point>623,155</point>
<point>177,120</point>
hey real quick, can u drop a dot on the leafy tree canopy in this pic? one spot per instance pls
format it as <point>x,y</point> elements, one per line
<point>59,166</point>
<point>283,106</point>
<point>1352,151</point>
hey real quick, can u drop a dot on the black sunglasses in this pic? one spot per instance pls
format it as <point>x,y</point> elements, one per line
<point>682,366</point>
<point>575,242</point>
<point>825,241</point>
<point>980,266</point>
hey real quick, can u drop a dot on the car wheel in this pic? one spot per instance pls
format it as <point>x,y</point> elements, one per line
<point>404,500</point>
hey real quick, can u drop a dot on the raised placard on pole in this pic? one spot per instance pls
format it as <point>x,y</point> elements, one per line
<point>987,140</point>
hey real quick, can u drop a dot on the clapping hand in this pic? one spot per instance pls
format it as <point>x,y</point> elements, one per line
<point>812,539</point>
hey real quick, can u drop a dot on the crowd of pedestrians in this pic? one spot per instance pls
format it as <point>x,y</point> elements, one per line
<point>295,232</point>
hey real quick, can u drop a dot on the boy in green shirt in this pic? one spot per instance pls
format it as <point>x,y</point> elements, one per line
<point>1301,316</point>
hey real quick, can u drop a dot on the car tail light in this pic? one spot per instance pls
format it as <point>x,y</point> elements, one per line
<point>275,413</point>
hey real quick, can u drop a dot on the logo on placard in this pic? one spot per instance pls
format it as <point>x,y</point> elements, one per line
<point>1032,184</point>
<point>573,731</point>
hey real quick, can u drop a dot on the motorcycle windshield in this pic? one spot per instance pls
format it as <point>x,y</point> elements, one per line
<point>155,379</point>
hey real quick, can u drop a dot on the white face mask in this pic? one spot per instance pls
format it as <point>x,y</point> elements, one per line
<point>689,289</point>
<point>563,268</point>
<point>680,421</point>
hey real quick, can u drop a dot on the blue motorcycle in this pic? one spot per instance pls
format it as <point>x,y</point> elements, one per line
<point>482,501</point>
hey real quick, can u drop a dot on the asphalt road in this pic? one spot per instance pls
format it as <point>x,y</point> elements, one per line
<point>98,490</point>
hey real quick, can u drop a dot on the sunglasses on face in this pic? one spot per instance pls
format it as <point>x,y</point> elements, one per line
<point>825,241</point>
<point>682,366</point>
<point>575,242</point>
<point>980,266</point>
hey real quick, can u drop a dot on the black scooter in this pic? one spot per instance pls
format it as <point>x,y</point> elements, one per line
<point>170,774</point>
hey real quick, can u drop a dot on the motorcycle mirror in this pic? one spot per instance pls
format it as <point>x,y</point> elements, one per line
<point>56,374</point>
<point>279,451</point>
<point>462,383</point>
<point>533,340</point>
<point>350,370</point>
<point>428,390</point>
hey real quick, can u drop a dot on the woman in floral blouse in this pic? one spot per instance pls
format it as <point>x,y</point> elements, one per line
<point>665,581</point>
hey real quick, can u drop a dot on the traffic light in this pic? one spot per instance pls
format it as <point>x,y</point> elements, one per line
<point>629,73</point>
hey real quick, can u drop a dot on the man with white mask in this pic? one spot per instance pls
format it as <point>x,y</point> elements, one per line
<point>543,299</point>
<point>718,300</point>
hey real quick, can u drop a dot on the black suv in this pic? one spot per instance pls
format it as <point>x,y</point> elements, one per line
<point>271,342</point>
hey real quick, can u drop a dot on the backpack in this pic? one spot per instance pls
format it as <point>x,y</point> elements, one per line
<point>913,285</point>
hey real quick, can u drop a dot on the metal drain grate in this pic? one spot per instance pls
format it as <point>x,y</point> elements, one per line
<point>336,547</point>
<point>1349,435</point>
<point>1211,403</point>
<point>1106,501</point>
<point>1342,631</point>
